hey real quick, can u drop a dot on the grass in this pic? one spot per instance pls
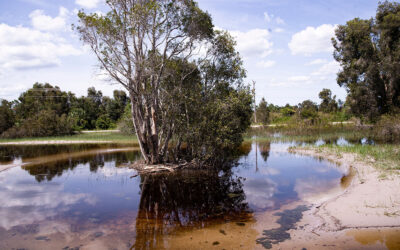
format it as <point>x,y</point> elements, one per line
<point>383,157</point>
<point>114,137</point>
<point>281,135</point>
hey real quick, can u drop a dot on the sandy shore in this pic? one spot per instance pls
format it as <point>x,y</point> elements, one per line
<point>367,212</point>
<point>52,142</point>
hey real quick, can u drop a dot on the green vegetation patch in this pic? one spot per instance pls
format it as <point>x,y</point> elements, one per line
<point>383,157</point>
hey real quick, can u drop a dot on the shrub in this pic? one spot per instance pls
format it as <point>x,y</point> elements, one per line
<point>125,124</point>
<point>388,128</point>
<point>287,111</point>
<point>45,123</point>
<point>104,122</point>
<point>7,116</point>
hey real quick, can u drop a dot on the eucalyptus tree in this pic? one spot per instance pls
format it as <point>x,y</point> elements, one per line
<point>328,103</point>
<point>165,54</point>
<point>369,53</point>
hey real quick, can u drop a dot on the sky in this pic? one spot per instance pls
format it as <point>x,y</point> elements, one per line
<point>285,45</point>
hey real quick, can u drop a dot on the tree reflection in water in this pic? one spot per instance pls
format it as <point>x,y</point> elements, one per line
<point>187,200</point>
<point>264,147</point>
<point>47,171</point>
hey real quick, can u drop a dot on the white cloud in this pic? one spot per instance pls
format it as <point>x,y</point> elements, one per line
<point>328,69</point>
<point>313,40</point>
<point>40,21</point>
<point>90,4</point>
<point>25,48</point>
<point>266,64</point>
<point>326,72</point>
<point>254,42</point>
<point>317,62</point>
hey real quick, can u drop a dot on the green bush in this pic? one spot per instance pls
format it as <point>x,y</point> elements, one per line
<point>7,116</point>
<point>287,111</point>
<point>388,128</point>
<point>125,124</point>
<point>45,123</point>
<point>104,122</point>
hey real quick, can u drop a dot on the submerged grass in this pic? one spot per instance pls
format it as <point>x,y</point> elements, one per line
<point>383,157</point>
<point>114,137</point>
<point>328,134</point>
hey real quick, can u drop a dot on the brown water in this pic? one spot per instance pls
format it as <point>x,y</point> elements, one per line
<point>68,197</point>
<point>377,238</point>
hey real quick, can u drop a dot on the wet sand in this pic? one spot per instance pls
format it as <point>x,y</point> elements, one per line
<point>365,215</point>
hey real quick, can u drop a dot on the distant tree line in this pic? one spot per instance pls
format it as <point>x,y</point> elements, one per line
<point>368,51</point>
<point>306,110</point>
<point>46,110</point>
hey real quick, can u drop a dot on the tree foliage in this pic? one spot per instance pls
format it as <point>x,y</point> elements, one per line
<point>308,109</point>
<point>7,116</point>
<point>328,103</point>
<point>262,111</point>
<point>66,112</point>
<point>369,53</point>
<point>178,95</point>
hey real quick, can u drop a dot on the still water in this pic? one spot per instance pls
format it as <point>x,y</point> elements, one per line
<point>78,197</point>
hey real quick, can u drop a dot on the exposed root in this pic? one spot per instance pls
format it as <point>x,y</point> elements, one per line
<point>142,168</point>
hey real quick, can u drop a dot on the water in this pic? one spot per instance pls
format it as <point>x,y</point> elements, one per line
<point>85,196</point>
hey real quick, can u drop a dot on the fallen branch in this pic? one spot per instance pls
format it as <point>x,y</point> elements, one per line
<point>142,168</point>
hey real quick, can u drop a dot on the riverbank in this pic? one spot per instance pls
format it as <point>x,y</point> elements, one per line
<point>368,211</point>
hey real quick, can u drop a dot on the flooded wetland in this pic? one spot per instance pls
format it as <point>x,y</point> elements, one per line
<point>85,197</point>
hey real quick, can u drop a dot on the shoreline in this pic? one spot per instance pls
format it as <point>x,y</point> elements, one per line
<point>368,207</point>
<point>51,142</point>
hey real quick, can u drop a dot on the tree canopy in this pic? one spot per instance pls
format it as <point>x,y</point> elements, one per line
<point>369,53</point>
<point>184,79</point>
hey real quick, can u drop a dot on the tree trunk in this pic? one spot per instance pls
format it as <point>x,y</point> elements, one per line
<point>146,131</point>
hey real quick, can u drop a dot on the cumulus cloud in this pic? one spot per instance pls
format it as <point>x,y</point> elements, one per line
<point>279,30</point>
<point>26,48</point>
<point>327,71</point>
<point>254,42</point>
<point>313,40</point>
<point>40,21</point>
<point>90,4</point>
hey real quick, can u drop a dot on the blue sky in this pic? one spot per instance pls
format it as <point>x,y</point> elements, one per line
<point>285,44</point>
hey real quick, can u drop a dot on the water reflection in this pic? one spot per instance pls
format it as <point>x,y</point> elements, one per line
<point>48,170</point>
<point>85,195</point>
<point>169,203</point>
<point>25,152</point>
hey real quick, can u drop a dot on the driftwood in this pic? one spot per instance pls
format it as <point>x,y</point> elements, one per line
<point>142,168</point>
